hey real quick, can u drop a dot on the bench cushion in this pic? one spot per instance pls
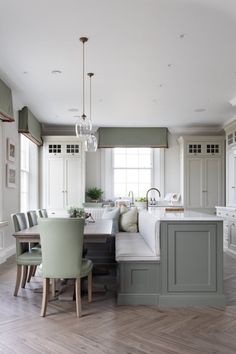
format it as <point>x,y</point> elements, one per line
<point>132,247</point>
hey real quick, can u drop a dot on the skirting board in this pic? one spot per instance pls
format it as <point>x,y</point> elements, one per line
<point>191,300</point>
<point>6,253</point>
<point>137,299</point>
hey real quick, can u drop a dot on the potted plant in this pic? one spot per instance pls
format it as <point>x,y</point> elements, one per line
<point>94,194</point>
<point>76,212</point>
<point>140,203</point>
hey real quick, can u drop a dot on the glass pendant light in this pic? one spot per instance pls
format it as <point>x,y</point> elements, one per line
<point>83,126</point>
<point>91,140</point>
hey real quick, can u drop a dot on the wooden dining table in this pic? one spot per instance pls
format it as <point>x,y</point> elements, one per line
<point>97,232</point>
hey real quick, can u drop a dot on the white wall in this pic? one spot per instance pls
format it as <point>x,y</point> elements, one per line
<point>171,183</point>
<point>10,196</point>
<point>172,165</point>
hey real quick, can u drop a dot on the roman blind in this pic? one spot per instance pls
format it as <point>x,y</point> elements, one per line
<point>30,126</point>
<point>133,137</point>
<point>6,107</point>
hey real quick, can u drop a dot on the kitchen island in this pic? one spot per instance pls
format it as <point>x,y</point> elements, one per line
<point>189,271</point>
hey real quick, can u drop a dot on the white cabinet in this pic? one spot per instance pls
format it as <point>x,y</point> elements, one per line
<point>229,215</point>
<point>63,182</point>
<point>231,164</point>
<point>202,171</point>
<point>231,177</point>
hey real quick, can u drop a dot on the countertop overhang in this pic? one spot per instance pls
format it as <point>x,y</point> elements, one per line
<point>186,215</point>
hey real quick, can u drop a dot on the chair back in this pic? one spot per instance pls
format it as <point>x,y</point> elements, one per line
<point>32,218</point>
<point>20,223</point>
<point>43,213</point>
<point>62,247</point>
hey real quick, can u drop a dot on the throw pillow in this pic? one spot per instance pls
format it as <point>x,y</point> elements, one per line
<point>112,214</point>
<point>129,219</point>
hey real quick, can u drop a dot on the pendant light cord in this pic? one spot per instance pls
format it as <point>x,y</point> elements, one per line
<point>90,94</point>
<point>83,40</point>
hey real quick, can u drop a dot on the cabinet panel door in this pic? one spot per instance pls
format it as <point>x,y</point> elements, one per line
<point>232,236</point>
<point>73,194</point>
<point>191,257</point>
<point>55,190</point>
<point>194,194</point>
<point>212,182</point>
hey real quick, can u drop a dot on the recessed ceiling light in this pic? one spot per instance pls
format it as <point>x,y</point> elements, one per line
<point>73,109</point>
<point>56,72</point>
<point>199,110</point>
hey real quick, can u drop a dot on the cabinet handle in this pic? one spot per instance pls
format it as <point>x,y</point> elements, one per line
<point>204,191</point>
<point>233,187</point>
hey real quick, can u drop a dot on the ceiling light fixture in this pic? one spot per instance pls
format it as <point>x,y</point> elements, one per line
<point>91,141</point>
<point>83,126</point>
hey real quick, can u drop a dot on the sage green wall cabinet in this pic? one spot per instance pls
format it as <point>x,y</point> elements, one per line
<point>192,263</point>
<point>202,176</point>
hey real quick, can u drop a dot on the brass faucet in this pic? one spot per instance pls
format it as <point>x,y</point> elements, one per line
<point>132,197</point>
<point>151,189</point>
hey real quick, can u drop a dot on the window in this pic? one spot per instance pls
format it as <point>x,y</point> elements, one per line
<point>132,169</point>
<point>28,175</point>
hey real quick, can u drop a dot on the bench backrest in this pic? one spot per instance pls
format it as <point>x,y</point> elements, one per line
<point>149,228</point>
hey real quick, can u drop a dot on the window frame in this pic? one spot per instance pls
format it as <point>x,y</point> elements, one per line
<point>130,168</point>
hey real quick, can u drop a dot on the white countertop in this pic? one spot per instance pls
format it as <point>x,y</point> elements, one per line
<point>233,208</point>
<point>186,215</point>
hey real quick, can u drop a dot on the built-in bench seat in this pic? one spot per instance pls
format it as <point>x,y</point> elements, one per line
<point>138,257</point>
<point>132,247</point>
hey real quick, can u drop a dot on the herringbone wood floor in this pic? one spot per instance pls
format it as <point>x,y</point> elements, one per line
<point>107,328</point>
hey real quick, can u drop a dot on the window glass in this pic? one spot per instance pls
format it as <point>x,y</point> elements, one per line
<point>28,175</point>
<point>132,169</point>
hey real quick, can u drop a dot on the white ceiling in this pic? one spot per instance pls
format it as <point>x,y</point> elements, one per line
<point>155,61</point>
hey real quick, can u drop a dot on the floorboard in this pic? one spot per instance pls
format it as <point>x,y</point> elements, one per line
<point>106,328</point>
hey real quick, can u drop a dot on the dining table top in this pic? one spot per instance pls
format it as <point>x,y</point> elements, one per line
<point>97,231</point>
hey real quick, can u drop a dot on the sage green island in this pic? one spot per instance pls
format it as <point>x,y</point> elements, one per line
<point>176,259</point>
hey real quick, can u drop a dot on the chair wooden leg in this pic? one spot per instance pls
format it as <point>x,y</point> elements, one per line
<point>34,271</point>
<point>90,285</point>
<point>53,287</point>
<point>78,297</point>
<point>24,276</point>
<point>45,296</point>
<point>18,279</point>
<point>30,273</point>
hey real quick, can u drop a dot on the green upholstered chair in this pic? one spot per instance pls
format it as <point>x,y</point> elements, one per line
<point>62,247</point>
<point>32,218</point>
<point>43,213</point>
<point>24,257</point>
